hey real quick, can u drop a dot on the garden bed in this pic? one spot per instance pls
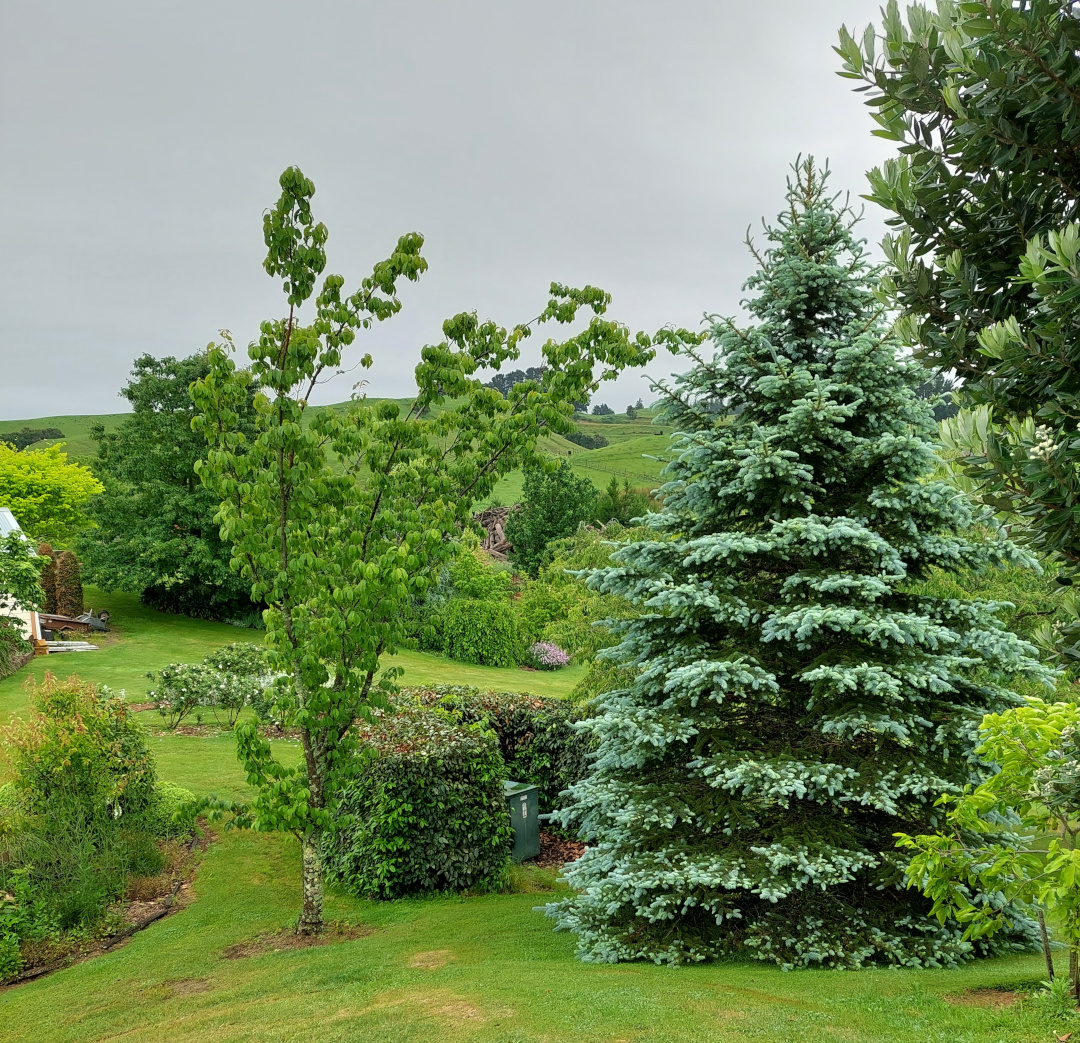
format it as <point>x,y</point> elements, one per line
<point>148,899</point>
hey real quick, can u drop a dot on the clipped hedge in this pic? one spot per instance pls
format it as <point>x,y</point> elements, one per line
<point>482,632</point>
<point>425,813</point>
<point>537,738</point>
<point>69,589</point>
<point>48,578</point>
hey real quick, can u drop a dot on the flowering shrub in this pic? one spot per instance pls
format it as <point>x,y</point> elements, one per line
<point>241,658</point>
<point>546,656</point>
<point>225,682</point>
<point>179,689</point>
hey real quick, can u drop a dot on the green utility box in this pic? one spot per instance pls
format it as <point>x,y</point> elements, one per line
<point>523,801</point>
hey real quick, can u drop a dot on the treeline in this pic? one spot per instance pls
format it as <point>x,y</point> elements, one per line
<point>28,436</point>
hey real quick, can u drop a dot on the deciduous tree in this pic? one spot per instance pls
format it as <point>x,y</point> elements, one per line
<point>154,531</point>
<point>340,546</point>
<point>45,492</point>
<point>555,501</point>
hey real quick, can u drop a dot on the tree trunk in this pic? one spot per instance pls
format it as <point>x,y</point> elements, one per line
<point>1046,947</point>
<point>1074,972</point>
<point>311,915</point>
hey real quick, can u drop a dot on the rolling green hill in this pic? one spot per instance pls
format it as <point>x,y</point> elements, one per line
<point>77,441</point>
<point>624,456</point>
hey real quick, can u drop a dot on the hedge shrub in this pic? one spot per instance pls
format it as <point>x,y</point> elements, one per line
<point>426,813</point>
<point>69,590</point>
<point>469,575</point>
<point>13,646</point>
<point>482,632</point>
<point>48,578</point>
<point>537,738</point>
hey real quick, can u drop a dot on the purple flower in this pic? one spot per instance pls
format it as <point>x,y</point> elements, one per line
<point>548,656</point>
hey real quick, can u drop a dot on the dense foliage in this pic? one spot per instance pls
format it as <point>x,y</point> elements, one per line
<point>558,607</point>
<point>154,529</point>
<point>793,701</point>
<point>81,815</point>
<point>483,632</point>
<point>47,602</point>
<point>13,645</point>
<point>985,99</point>
<point>342,544</point>
<point>20,572</point>
<point>537,738</point>
<point>69,589</point>
<point>45,492</point>
<point>20,568</point>
<point>469,574</point>
<point>585,440</point>
<point>622,503</point>
<point>424,811</point>
<point>555,501</point>
<point>503,382</point>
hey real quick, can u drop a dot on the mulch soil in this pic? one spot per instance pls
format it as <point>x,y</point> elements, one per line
<point>556,852</point>
<point>280,941</point>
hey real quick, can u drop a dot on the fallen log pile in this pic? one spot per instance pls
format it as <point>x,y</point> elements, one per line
<point>493,521</point>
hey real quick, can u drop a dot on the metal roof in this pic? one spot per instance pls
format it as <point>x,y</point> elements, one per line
<point>8,524</point>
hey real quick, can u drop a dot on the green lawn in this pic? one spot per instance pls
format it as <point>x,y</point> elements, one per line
<point>477,968</point>
<point>144,639</point>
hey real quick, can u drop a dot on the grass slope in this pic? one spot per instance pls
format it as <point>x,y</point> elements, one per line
<point>77,441</point>
<point>485,968</point>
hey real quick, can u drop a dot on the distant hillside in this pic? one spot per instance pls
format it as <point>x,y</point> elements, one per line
<point>623,456</point>
<point>77,441</point>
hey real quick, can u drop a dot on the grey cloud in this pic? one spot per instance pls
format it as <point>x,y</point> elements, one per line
<point>627,144</point>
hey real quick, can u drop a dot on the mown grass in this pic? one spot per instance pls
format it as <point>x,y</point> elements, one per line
<point>485,968</point>
<point>144,640</point>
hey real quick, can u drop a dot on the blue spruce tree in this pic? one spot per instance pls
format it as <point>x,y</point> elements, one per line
<point>796,699</point>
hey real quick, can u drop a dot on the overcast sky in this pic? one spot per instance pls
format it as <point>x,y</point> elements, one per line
<point>627,144</point>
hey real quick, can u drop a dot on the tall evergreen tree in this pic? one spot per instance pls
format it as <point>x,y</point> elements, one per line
<point>799,700</point>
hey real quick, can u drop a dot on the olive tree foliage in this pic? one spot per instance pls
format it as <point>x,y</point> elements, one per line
<point>984,100</point>
<point>341,521</point>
